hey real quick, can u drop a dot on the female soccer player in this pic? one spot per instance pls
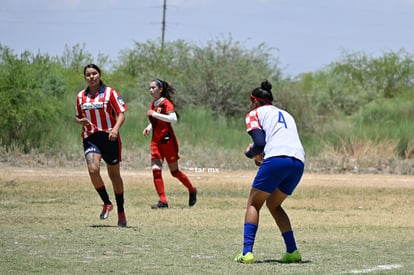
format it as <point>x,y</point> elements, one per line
<point>100,111</point>
<point>274,133</point>
<point>164,143</point>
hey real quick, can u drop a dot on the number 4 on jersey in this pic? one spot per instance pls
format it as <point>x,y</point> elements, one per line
<point>282,119</point>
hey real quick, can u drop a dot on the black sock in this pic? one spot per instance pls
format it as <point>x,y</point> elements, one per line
<point>120,202</point>
<point>104,195</point>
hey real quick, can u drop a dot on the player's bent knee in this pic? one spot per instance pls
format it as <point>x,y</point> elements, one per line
<point>175,173</point>
<point>93,169</point>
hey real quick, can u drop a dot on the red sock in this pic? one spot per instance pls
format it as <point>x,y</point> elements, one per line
<point>159,184</point>
<point>184,180</point>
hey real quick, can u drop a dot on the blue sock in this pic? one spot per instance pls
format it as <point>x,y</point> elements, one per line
<point>250,230</point>
<point>289,241</point>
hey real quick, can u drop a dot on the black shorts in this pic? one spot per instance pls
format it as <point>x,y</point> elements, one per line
<point>99,143</point>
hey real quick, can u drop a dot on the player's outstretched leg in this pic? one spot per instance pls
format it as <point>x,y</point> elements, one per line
<point>187,183</point>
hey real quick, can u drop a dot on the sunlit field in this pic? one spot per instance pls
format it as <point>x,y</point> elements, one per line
<point>344,224</point>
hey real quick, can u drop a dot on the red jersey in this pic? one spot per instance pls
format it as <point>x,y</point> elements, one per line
<point>162,131</point>
<point>100,108</point>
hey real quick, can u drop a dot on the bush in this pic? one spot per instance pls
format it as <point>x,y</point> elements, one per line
<point>355,102</point>
<point>31,92</point>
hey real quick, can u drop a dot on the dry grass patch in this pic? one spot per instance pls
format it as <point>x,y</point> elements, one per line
<point>343,224</point>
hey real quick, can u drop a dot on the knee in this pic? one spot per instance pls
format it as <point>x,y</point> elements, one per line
<point>93,170</point>
<point>268,204</point>
<point>175,173</point>
<point>272,206</point>
<point>115,177</point>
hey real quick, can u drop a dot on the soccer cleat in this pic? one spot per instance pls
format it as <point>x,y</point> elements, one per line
<point>160,204</point>
<point>105,211</point>
<point>193,198</point>
<point>122,220</point>
<point>291,257</point>
<point>246,259</point>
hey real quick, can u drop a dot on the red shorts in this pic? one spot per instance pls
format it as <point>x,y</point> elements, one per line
<point>168,150</point>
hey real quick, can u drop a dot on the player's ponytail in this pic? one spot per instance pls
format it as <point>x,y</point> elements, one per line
<point>267,86</point>
<point>167,89</point>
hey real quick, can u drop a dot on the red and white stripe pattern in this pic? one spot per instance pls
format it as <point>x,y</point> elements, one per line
<point>100,109</point>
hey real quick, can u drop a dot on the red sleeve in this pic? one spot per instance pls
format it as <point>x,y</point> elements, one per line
<point>169,107</point>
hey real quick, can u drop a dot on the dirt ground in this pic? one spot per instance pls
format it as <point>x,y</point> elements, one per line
<point>50,224</point>
<point>361,180</point>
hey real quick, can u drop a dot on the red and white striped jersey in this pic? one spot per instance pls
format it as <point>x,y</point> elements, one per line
<point>100,108</point>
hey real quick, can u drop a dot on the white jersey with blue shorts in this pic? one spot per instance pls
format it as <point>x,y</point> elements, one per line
<point>284,155</point>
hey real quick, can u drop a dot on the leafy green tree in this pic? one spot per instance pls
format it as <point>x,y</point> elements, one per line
<point>76,58</point>
<point>222,75</point>
<point>388,74</point>
<point>219,76</point>
<point>30,89</point>
<point>357,79</point>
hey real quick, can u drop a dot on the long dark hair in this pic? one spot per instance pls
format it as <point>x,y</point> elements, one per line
<point>263,93</point>
<point>167,89</point>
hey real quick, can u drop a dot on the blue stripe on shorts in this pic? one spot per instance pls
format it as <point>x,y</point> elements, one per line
<point>279,172</point>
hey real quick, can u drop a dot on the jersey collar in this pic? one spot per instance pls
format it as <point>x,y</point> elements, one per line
<point>101,89</point>
<point>158,101</point>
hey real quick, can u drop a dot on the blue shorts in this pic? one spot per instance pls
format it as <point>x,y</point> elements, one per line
<point>99,143</point>
<point>279,172</point>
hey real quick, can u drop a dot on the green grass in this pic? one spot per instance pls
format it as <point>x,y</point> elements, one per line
<point>343,224</point>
